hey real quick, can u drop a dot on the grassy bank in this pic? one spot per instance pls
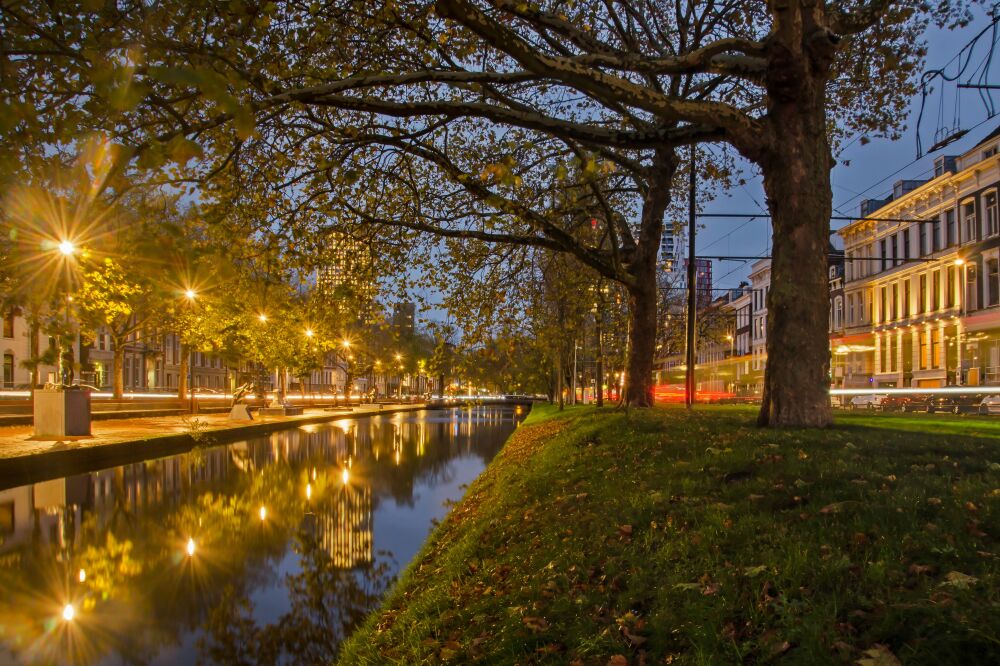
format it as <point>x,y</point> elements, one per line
<point>660,537</point>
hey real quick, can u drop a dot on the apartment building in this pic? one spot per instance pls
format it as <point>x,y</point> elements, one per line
<point>922,279</point>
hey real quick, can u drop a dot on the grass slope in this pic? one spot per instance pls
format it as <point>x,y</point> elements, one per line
<point>662,537</point>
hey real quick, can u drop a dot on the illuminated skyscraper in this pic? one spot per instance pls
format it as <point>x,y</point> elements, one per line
<point>348,274</point>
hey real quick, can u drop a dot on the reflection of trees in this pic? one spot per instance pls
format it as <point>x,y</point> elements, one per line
<point>127,528</point>
<point>327,603</point>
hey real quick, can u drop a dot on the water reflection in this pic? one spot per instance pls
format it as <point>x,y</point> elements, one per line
<point>262,552</point>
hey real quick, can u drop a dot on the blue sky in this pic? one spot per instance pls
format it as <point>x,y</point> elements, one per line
<point>869,164</point>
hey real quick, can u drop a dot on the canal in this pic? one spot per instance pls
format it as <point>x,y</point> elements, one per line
<point>266,551</point>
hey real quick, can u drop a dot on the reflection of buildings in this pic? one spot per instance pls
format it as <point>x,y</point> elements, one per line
<point>345,526</point>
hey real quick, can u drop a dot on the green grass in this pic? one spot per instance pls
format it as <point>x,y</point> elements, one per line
<point>665,537</point>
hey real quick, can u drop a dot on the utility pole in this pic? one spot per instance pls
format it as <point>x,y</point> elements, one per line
<point>692,279</point>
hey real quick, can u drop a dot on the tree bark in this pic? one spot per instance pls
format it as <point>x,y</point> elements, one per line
<point>182,375</point>
<point>559,376</point>
<point>118,369</point>
<point>34,352</point>
<point>797,182</point>
<point>642,290</point>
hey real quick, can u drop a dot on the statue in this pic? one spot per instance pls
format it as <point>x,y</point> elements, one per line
<point>238,409</point>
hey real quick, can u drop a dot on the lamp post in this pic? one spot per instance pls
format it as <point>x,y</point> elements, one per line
<point>190,295</point>
<point>399,377</point>
<point>67,249</point>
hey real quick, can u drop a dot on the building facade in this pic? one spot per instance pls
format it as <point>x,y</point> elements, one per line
<point>922,279</point>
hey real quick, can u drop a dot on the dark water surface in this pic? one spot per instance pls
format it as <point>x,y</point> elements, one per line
<point>259,552</point>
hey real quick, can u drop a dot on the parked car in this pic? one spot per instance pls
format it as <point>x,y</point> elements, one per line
<point>900,403</point>
<point>990,404</point>
<point>868,401</point>
<point>951,402</point>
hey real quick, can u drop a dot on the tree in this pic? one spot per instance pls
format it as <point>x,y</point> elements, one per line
<point>123,303</point>
<point>356,104</point>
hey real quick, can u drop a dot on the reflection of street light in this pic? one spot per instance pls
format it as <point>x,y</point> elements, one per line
<point>68,613</point>
<point>262,317</point>
<point>263,513</point>
<point>190,547</point>
<point>345,476</point>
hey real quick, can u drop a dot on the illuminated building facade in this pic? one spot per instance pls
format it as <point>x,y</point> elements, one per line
<point>922,279</point>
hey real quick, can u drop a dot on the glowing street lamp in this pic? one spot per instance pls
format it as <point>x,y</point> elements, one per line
<point>190,547</point>
<point>67,249</point>
<point>262,317</point>
<point>345,476</point>
<point>309,333</point>
<point>263,513</point>
<point>68,613</point>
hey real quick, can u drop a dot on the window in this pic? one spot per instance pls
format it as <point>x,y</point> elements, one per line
<point>895,250</point>
<point>8,324</point>
<point>951,226</point>
<point>935,347</point>
<point>993,282</point>
<point>8,371</point>
<point>906,244</point>
<point>906,297</point>
<point>922,250</point>
<point>884,305</point>
<point>924,355</point>
<point>922,294</point>
<point>935,291</point>
<point>969,215</point>
<point>936,234</point>
<point>992,223</point>
<point>885,257</point>
<point>850,308</point>
<point>895,301</point>
<point>989,152</point>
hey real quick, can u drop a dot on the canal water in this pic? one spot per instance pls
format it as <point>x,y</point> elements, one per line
<point>266,551</point>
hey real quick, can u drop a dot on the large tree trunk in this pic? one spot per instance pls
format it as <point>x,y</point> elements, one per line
<point>641,343</point>
<point>182,374</point>
<point>797,183</point>
<point>34,352</point>
<point>118,370</point>
<point>642,291</point>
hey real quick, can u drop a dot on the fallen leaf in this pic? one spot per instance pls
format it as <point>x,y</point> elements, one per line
<point>625,529</point>
<point>878,655</point>
<point>959,580</point>
<point>536,624</point>
<point>750,572</point>
<point>618,660</point>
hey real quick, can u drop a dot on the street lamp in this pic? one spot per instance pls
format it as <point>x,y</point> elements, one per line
<point>67,249</point>
<point>309,333</point>
<point>262,317</point>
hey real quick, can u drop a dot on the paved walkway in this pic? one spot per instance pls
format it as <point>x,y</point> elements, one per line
<point>18,441</point>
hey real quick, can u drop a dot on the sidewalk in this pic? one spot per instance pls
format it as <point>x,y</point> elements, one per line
<point>24,459</point>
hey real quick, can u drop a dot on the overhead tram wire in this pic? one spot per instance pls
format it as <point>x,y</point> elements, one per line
<point>848,218</point>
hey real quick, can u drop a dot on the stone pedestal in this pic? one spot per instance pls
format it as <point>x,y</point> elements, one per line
<point>239,412</point>
<point>59,413</point>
